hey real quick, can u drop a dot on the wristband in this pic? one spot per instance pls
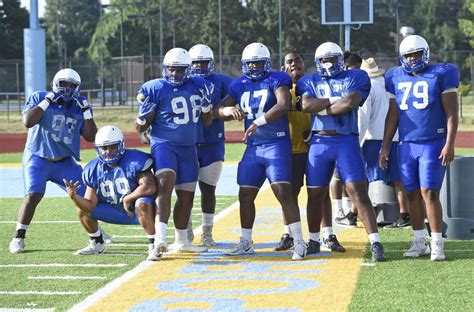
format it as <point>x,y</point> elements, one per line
<point>87,114</point>
<point>334,99</point>
<point>140,122</point>
<point>324,112</point>
<point>227,111</point>
<point>44,104</point>
<point>260,121</point>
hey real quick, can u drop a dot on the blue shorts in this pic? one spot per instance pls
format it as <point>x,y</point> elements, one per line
<point>209,153</point>
<point>371,153</point>
<point>181,159</point>
<point>272,161</point>
<point>341,152</point>
<point>420,165</point>
<point>37,171</point>
<point>115,214</point>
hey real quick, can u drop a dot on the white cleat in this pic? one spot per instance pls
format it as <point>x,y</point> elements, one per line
<point>244,247</point>
<point>206,236</point>
<point>161,247</point>
<point>418,248</point>
<point>93,248</point>
<point>190,233</point>
<point>186,247</point>
<point>107,238</point>
<point>299,251</point>
<point>17,245</point>
<point>437,250</point>
<point>153,254</point>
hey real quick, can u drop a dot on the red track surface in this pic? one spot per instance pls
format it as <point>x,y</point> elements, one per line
<point>15,142</point>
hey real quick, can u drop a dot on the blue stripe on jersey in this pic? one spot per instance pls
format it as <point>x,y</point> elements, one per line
<point>257,97</point>
<point>316,86</point>
<point>421,114</point>
<point>58,133</point>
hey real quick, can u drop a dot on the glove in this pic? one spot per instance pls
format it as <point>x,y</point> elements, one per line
<point>145,106</point>
<point>206,94</point>
<point>82,103</point>
<point>52,97</point>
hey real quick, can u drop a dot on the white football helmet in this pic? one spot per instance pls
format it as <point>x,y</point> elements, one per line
<point>67,75</point>
<point>176,57</point>
<point>199,53</point>
<point>412,44</point>
<point>255,52</point>
<point>329,50</point>
<point>106,136</point>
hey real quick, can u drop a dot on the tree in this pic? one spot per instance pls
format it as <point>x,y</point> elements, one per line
<point>13,19</point>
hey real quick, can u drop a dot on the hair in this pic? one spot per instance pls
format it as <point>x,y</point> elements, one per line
<point>352,59</point>
<point>294,52</point>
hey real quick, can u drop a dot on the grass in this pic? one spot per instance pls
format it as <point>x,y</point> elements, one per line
<point>56,243</point>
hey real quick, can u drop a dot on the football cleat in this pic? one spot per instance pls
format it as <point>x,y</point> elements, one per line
<point>186,247</point>
<point>377,252</point>
<point>17,245</point>
<point>437,250</point>
<point>349,220</point>
<point>153,254</point>
<point>161,247</point>
<point>206,236</point>
<point>331,243</point>
<point>93,248</point>
<point>107,238</point>
<point>244,247</point>
<point>286,243</point>
<point>299,251</point>
<point>313,247</point>
<point>401,222</point>
<point>418,248</point>
<point>190,233</point>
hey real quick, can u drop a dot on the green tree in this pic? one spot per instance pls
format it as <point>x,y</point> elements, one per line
<point>13,19</point>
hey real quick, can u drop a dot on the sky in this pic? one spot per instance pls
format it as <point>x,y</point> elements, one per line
<point>41,5</point>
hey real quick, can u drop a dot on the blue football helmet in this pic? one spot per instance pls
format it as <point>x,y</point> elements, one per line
<point>201,53</point>
<point>256,52</point>
<point>107,136</point>
<point>71,77</point>
<point>413,44</point>
<point>325,51</point>
<point>176,58</point>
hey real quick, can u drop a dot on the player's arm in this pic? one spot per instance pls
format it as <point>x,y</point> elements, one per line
<point>146,112</point>
<point>90,130</point>
<point>449,102</point>
<point>344,104</point>
<point>391,125</point>
<point>314,105</point>
<point>146,187</point>
<point>227,109</point>
<point>86,203</point>
<point>33,115</point>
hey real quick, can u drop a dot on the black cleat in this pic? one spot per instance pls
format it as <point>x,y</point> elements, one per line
<point>286,243</point>
<point>349,219</point>
<point>313,247</point>
<point>377,252</point>
<point>401,222</point>
<point>333,244</point>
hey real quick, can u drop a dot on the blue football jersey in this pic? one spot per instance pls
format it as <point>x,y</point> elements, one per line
<point>345,82</point>
<point>215,132</point>
<point>255,97</point>
<point>58,133</point>
<point>421,114</point>
<point>112,184</point>
<point>178,109</point>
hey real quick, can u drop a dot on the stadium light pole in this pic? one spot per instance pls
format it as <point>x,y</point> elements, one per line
<point>220,37</point>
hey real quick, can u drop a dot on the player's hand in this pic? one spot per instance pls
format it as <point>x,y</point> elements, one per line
<point>447,155</point>
<point>145,106</point>
<point>383,159</point>
<point>233,111</point>
<point>83,103</point>
<point>52,97</point>
<point>72,187</point>
<point>250,131</point>
<point>127,204</point>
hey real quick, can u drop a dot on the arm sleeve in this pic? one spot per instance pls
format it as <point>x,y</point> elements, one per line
<point>450,77</point>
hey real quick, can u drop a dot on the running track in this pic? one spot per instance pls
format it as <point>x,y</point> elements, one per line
<point>15,142</point>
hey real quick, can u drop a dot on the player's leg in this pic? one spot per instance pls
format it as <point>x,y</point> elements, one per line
<point>329,239</point>
<point>351,168</point>
<point>145,211</point>
<point>96,241</point>
<point>431,178</point>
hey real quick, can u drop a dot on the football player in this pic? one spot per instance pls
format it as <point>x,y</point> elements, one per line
<point>264,100</point>
<point>333,96</point>
<point>120,190</point>
<point>173,106</point>
<point>424,107</point>
<point>210,141</point>
<point>56,120</point>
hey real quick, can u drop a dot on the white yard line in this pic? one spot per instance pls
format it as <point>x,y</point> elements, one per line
<point>41,222</point>
<point>45,265</point>
<point>66,277</point>
<point>25,310</point>
<point>127,245</point>
<point>107,289</point>
<point>129,236</point>
<point>43,292</point>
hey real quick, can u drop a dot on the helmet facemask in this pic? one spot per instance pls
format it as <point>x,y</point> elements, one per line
<point>174,74</point>
<point>257,71</point>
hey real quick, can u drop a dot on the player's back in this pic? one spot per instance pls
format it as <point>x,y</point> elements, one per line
<point>255,97</point>
<point>418,99</point>
<point>57,134</point>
